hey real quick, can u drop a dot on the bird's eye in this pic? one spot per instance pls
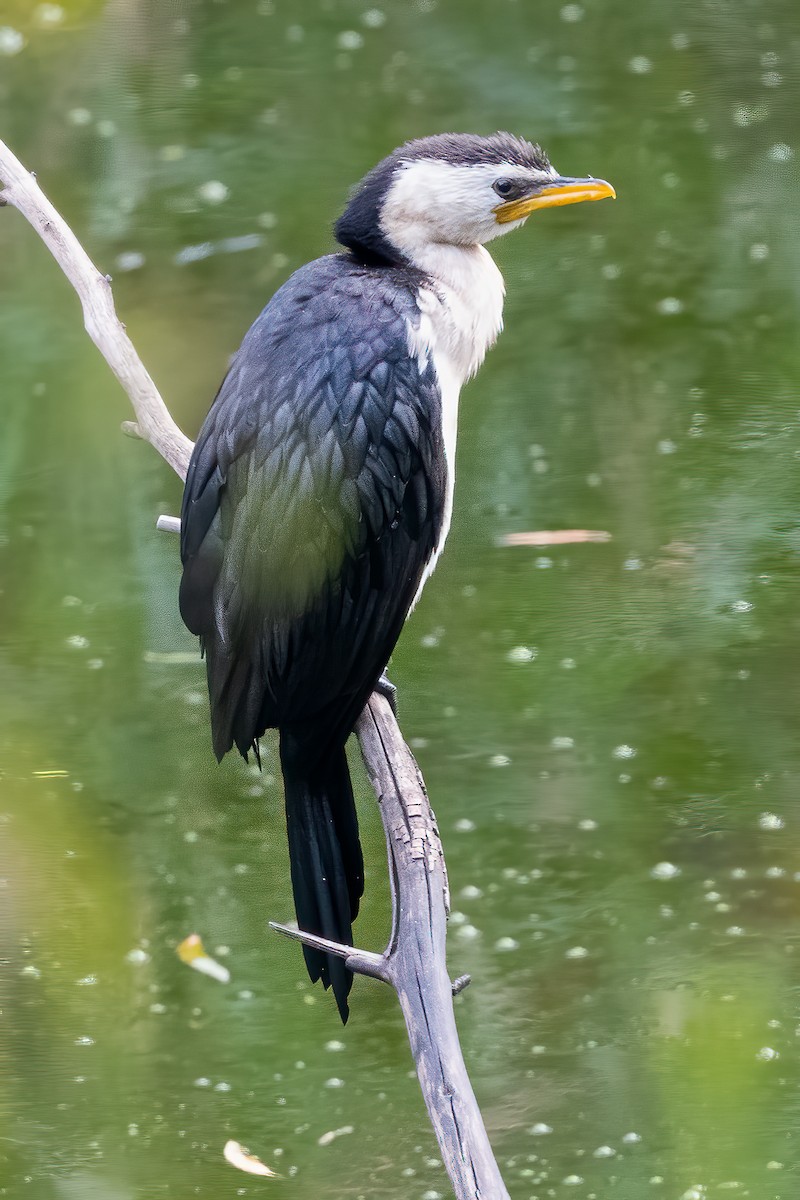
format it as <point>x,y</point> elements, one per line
<point>504,187</point>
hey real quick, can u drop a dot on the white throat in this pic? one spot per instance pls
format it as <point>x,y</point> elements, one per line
<point>460,317</point>
<point>464,306</point>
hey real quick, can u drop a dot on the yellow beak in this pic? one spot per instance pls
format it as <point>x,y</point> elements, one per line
<point>560,191</point>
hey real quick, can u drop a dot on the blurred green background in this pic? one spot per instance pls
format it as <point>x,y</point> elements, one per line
<point>609,732</point>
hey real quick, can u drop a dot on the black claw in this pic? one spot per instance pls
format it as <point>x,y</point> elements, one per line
<point>385,687</point>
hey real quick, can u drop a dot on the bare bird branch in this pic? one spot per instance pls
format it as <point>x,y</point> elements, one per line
<point>414,962</point>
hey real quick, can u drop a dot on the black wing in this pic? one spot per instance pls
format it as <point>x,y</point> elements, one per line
<point>313,503</point>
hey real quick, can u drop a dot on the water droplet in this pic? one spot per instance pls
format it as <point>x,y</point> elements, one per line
<point>640,65</point>
<point>576,952</point>
<point>350,39</point>
<point>665,870</point>
<point>373,18</point>
<point>780,152</point>
<point>468,933</point>
<point>48,15</point>
<point>506,944</point>
<point>767,1054</point>
<point>11,41</point>
<point>669,306</point>
<point>540,1129</point>
<point>213,191</point>
<point>770,821</point>
<point>605,1152</point>
<point>521,654</point>
<point>130,260</point>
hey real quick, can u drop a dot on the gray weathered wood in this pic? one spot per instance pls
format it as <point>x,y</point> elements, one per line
<point>416,955</point>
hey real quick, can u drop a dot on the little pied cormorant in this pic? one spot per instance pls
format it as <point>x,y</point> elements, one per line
<point>320,489</point>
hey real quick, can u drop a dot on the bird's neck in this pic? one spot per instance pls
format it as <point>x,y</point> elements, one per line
<point>470,289</point>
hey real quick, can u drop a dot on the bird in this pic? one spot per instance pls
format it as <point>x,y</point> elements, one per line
<point>320,489</point>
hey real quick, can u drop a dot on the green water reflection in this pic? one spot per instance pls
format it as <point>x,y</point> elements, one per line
<point>608,731</point>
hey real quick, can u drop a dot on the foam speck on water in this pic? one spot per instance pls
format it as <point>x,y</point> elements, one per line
<point>665,870</point>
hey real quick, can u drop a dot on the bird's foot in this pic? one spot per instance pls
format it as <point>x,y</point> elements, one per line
<point>384,687</point>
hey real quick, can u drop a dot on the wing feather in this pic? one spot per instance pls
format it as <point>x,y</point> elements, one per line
<point>313,502</point>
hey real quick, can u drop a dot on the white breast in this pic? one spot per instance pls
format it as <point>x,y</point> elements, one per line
<point>461,315</point>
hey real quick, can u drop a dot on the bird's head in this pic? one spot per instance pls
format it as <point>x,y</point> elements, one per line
<point>454,189</point>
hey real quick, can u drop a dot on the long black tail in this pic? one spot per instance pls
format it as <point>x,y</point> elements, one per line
<point>325,856</point>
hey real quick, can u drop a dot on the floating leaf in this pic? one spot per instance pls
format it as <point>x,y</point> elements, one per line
<point>239,1158</point>
<point>193,953</point>
<point>555,537</point>
<point>333,1134</point>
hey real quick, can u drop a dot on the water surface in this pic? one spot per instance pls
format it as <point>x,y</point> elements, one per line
<point>608,731</point>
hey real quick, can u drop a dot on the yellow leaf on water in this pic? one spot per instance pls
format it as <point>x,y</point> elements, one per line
<point>192,952</point>
<point>237,1157</point>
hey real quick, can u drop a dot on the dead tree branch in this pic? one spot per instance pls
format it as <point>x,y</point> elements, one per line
<point>414,962</point>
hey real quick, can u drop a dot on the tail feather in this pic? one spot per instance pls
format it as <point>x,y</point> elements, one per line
<point>325,855</point>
